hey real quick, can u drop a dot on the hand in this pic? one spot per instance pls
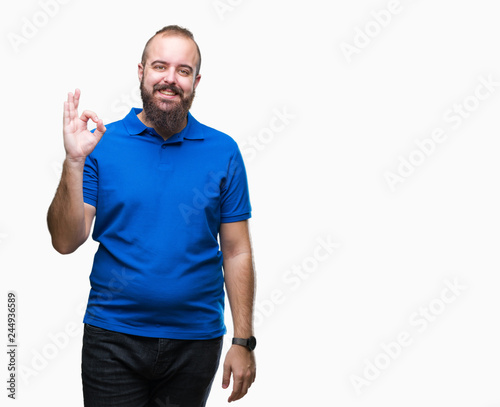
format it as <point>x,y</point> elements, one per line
<point>241,363</point>
<point>78,141</point>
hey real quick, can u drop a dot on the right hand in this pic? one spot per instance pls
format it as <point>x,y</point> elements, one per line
<point>79,142</point>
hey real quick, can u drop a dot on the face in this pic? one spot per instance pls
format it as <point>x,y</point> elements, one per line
<point>168,81</point>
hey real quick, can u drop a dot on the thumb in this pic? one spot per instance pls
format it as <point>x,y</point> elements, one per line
<point>226,377</point>
<point>100,129</point>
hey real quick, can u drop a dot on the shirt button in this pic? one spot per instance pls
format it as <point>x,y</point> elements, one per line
<point>163,146</point>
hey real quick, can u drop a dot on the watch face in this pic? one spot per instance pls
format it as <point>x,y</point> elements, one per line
<point>252,342</point>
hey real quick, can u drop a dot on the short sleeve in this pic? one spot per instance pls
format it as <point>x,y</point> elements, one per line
<point>235,197</point>
<point>90,181</point>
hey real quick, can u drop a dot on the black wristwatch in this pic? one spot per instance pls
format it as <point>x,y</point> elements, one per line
<point>249,343</point>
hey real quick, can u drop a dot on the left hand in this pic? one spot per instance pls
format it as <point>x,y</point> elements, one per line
<point>241,363</point>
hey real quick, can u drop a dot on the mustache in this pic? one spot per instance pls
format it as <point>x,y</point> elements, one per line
<point>171,88</point>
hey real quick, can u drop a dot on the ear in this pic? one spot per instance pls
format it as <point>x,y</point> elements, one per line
<point>196,81</point>
<point>140,71</point>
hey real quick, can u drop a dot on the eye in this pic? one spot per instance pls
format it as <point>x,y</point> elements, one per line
<point>185,71</point>
<point>158,67</point>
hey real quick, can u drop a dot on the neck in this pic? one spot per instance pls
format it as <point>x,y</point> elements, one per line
<point>164,133</point>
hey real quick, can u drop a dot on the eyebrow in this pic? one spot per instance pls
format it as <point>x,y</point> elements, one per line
<point>158,61</point>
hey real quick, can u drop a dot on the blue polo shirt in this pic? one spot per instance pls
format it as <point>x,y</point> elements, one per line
<point>159,205</point>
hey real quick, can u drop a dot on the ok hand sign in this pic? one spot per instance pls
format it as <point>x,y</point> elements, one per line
<point>79,142</point>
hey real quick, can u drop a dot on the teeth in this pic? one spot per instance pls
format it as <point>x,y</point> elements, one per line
<point>167,92</point>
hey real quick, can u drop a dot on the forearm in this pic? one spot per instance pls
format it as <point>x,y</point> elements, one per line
<point>66,215</point>
<point>239,277</point>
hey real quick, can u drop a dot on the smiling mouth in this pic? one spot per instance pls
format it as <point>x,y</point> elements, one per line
<point>168,92</point>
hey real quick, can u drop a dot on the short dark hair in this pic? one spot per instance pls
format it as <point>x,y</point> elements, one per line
<point>173,30</point>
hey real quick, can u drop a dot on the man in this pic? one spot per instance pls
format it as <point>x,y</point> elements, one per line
<point>163,189</point>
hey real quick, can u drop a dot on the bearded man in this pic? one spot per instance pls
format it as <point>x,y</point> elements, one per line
<point>164,190</point>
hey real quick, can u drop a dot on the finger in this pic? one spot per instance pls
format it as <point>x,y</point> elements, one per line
<point>226,377</point>
<point>66,114</point>
<point>71,106</point>
<point>73,113</point>
<point>242,384</point>
<point>100,126</point>
<point>77,97</point>
<point>237,390</point>
<point>89,114</point>
<point>100,130</point>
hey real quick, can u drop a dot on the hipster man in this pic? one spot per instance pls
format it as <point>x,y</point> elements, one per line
<point>171,205</point>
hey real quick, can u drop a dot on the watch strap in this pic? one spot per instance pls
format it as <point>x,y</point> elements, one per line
<point>248,343</point>
<point>241,342</point>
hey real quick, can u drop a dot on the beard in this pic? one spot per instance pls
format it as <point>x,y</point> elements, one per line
<point>165,115</point>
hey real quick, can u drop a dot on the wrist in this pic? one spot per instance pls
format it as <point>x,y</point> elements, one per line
<point>250,342</point>
<point>76,163</point>
<point>243,330</point>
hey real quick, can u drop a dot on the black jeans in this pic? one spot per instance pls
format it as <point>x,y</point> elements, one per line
<point>127,370</point>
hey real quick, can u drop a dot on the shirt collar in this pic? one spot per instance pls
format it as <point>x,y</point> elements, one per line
<point>192,131</point>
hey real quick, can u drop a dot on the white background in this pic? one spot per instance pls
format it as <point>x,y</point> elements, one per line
<point>321,176</point>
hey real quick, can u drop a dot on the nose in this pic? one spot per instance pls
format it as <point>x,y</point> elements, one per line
<point>169,76</point>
